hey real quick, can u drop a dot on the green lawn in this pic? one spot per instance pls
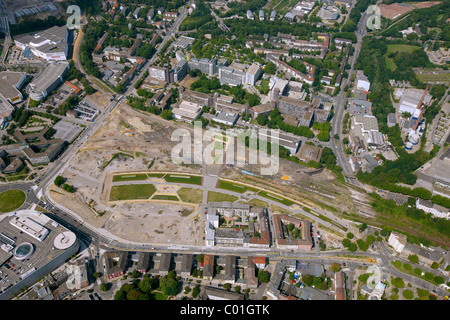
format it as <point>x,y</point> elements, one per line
<point>155,175</point>
<point>442,77</point>
<point>236,187</point>
<point>219,197</point>
<point>129,177</point>
<point>165,197</point>
<point>257,202</point>
<point>179,178</point>
<point>282,200</point>
<point>390,64</point>
<point>132,192</point>
<point>401,48</point>
<point>11,200</point>
<point>191,195</point>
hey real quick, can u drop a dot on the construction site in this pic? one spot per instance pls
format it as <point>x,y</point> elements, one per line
<point>118,188</point>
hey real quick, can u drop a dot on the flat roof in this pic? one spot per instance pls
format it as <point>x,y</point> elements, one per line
<point>10,83</point>
<point>5,107</point>
<point>51,73</point>
<point>46,40</point>
<point>43,251</point>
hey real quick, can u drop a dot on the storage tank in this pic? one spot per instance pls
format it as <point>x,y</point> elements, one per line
<point>408,146</point>
<point>414,138</point>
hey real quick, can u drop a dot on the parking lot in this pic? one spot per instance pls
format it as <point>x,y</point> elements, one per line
<point>66,130</point>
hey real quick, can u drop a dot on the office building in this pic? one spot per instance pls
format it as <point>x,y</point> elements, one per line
<point>253,73</point>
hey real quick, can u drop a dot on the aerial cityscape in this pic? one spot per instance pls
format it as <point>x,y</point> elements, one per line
<point>241,150</point>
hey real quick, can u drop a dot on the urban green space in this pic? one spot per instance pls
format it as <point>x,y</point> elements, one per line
<point>190,195</point>
<point>177,178</point>
<point>132,192</point>
<point>236,187</point>
<point>129,177</point>
<point>11,200</point>
<point>165,197</point>
<point>219,197</point>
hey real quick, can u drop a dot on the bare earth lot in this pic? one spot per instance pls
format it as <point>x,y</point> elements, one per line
<point>133,142</point>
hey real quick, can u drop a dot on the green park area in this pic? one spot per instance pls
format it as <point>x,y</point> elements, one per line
<point>190,195</point>
<point>236,187</point>
<point>165,197</point>
<point>394,48</point>
<point>219,197</point>
<point>129,177</point>
<point>433,77</point>
<point>284,201</point>
<point>132,192</point>
<point>11,200</point>
<point>177,178</point>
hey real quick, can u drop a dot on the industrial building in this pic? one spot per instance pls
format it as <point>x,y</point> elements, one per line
<point>50,44</point>
<point>227,118</point>
<point>187,111</point>
<point>309,152</point>
<point>48,80</point>
<point>32,245</point>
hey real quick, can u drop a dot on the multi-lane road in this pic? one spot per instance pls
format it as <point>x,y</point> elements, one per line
<point>106,241</point>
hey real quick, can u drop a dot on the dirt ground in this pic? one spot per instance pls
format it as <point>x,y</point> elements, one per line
<point>148,141</point>
<point>143,143</point>
<point>156,223</point>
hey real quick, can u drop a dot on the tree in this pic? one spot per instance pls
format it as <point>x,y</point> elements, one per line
<point>104,287</point>
<point>195,291</point>
<point>263,276</point>
<point>398,282</point>
<point>59,181</point>
<point>133,294</point>
<point>120,295</point>
<point>166,114</point>
<point>435,265</point>
<point>350,235</point>
<point>408,294</point>
<point>227,286</point>
<point>169,285</point>
<point>346,243</point>
<point>336,267</point>
<point>439,280</point>
<point>413,258</point>
<point>352,247</point>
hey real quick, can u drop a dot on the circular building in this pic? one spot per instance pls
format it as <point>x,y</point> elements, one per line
<point>23,251</point>
<point>64,240</point>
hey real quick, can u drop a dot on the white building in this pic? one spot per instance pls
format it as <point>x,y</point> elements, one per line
<point>436,210</point>
<point>397,241</point>
<point>253,73</point>
<point>50,44</point>
<point>362,82</point>
<point>187,111</point>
